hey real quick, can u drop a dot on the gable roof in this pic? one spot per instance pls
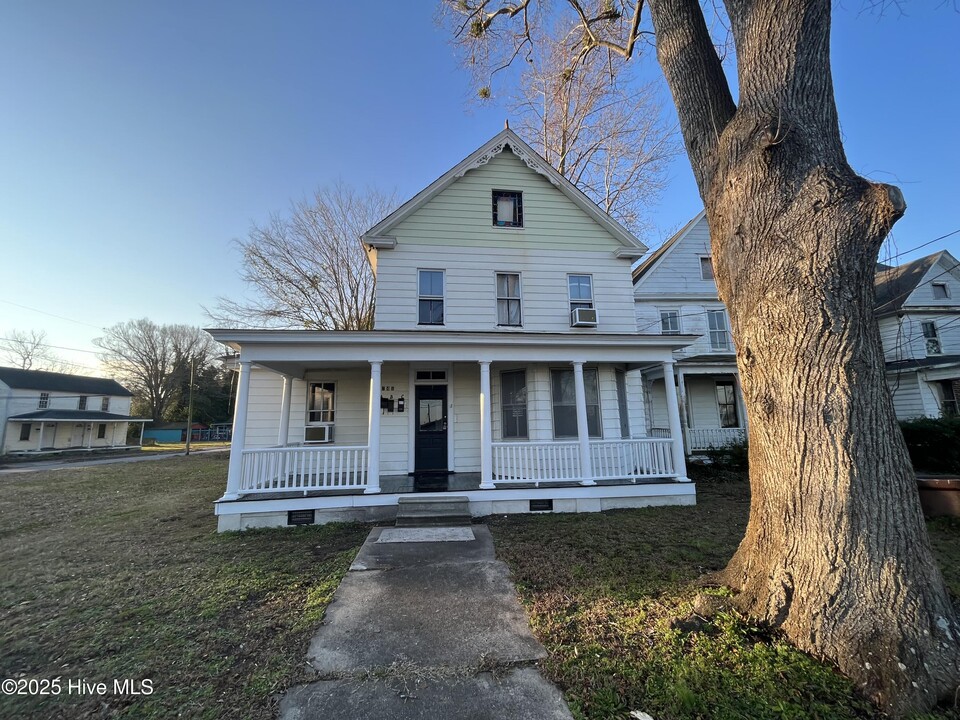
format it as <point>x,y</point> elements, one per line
<point>893,286</point>
<point>378,235</point>
<point>60,382</point>
<point>661,252</point>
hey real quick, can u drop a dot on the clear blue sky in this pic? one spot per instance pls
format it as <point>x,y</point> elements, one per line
<point>137,139</point>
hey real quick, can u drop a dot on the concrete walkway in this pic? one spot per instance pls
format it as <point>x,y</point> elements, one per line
<point>426,625</point>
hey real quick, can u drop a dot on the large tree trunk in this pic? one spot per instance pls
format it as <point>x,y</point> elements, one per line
<point>836,552</point>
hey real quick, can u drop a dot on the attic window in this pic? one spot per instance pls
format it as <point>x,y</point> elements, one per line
<point>940,291</point>
<point>507,208</point>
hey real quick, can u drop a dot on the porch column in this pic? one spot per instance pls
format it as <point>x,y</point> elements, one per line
<point>682,389</point>
<point>373,430</point>
<point>284,433</point>
<point>486,429</point>
<point>143,426</point>
<point>90,438</point>
<point>673,415</point>
<point>239,433</point>
<point>40,439</point>
<point>583,431</point>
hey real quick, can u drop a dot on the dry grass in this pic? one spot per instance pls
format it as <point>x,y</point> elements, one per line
<point>117,572</point>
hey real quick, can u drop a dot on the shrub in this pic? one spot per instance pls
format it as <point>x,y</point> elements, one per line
<point>934,443</point>
<point>734,456</point>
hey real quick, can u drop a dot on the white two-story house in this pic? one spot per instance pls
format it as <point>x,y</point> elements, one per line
<point>918,308</point>
<point>48,412</point>
<point>675,293</point>
<point>503,366</point>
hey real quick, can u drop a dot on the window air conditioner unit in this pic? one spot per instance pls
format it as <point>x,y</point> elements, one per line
<point>318,434</point>
<point>583,317</point>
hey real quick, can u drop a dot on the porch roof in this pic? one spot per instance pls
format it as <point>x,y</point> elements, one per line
<point>54,415</point>
<point>290,351</point>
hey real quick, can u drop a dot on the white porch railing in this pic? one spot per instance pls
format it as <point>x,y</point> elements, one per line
<point>303,468</point>
<point>536,462</point>
<point>533,462</point>
<point>707,438</point>
<point>631,459</point>
<point>659,432</point>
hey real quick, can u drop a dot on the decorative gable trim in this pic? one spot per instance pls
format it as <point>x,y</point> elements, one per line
<point>531,162</point>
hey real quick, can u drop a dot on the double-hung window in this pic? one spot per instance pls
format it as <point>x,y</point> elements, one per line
<point>507,208</point>
<point>430,288</point>
<point>513,404</point>
<point>105,405</point>
<point>932,338</point>
<point>508,299</point>
<point>719,336</point>
<point>669,322</point>
<point>564,397</point>
<point>44,402</point>
<point>82,403</point>
<point>581,291</point>
<point>727,404</point>
<point>321,411</point>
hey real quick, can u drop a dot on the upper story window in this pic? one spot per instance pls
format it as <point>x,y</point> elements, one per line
<point>717,324</point>
<point>932,338</point>
<point>706,267</point>
<point>581,291</point>
<point>940,291</point>
<point>669,322</point>
<point>105,405</point>
<point>44,402</point>
<point>508,299</point>
<point>507,208</point>
<point>513,404</point>
<point>82,403</point>
<point>430,288</point>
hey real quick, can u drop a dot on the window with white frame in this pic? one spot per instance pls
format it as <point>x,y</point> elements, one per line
<point>931,338</point>
<point>669,322</point>
<point>82,403</point>
<point>564,400</point>
<point>727,404</point>
<point>706,267</point>
<point>44,401</point>
<point>105,405</point>
<point>321,403</point>
<point>507,208</point>
<point>430,288</point>
<point>580,288</point>
<point>508,299</point>
<point>717,325</point>
<point>513,404</point>
<point>940,291</point>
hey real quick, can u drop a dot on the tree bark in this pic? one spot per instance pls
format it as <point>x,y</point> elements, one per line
<point>836,553</point>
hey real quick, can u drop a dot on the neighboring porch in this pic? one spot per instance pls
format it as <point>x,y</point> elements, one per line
<point>712,412</point>
<point>45,432</point>
<point>527,422</point>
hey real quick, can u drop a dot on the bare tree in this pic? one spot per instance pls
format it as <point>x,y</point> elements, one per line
<point>836,553</point>
<point>309,270</point>
<point>149,359</point>
<point>29,350</point>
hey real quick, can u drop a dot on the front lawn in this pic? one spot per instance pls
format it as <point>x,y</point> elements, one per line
<point>116,572</point>
<point>610,596</point>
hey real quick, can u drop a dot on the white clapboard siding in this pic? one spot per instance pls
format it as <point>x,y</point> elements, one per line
<point>466,417</point>
<point>678,272</point>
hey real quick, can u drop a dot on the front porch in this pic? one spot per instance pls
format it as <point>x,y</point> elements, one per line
<point>527,423</point>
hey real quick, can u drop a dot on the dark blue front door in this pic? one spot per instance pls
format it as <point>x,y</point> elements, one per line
<point>430,443</point>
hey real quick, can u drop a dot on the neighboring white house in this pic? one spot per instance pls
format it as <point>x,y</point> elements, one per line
<point>918,308</point>
<point>503,366</point>
<point>44,412</point>
<point>675,293</point>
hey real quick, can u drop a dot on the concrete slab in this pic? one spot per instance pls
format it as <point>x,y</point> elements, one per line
<point>375,555</point>
<point>520,694</point>
<point>426,534</point>
<point>453,615</point>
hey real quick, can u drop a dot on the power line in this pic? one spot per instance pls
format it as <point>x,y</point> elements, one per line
<point>55,347</point>
<point>44,312</point>
<point>929,242</point>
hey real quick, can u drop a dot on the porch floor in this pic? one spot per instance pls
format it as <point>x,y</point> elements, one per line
<point>456,482</point>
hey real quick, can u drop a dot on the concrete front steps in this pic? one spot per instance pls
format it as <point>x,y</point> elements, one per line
<point>415,511</point>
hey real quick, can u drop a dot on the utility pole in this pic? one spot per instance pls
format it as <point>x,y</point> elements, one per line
<point>190,408</point>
